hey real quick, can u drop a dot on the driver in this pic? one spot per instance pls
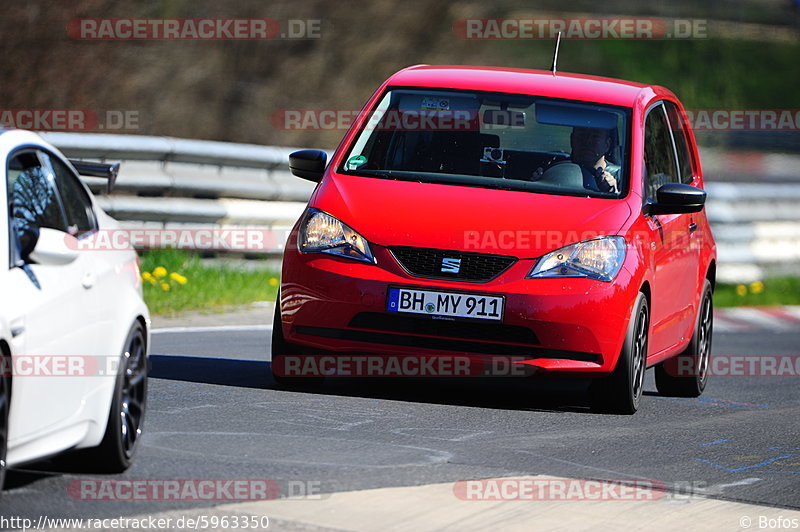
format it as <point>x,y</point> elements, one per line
<point>589,149</point>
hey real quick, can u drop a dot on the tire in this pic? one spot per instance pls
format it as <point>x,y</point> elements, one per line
<point>5,401</point>
<point>621,392</point>
<point>686,374</point>
<point>281,349</point>
<point>128,405</point>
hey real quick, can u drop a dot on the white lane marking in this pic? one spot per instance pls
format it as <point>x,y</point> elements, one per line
<point>457,435</point>
<point>792,310</point>
<point>183,409</point>
<point>759,319</point>
<point>212,328</point>
<point>717,489</point>
<point>434,456</point>
<point>724,324</point>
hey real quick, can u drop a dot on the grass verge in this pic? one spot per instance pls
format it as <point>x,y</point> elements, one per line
<point>770,292</point>
<point>175,281</point>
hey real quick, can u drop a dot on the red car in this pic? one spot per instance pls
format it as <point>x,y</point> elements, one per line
<point>554,220</point>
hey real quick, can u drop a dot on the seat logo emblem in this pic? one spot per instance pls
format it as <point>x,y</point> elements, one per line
<point>451,265</point>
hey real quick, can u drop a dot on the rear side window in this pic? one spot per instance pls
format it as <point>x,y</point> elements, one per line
<point>32,197</point>
<point>659,156</point>
<point>77,205</point>
<point>680,135</point>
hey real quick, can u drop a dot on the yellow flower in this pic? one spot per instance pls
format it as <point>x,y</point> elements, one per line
<point>152,280</point>
<point>165,287</point>
<point>178,278</point>
<point>160,271</point>
<point>757,287</point>
<point>146,276</point>
<point>741,290</point>
<point>273,281</point>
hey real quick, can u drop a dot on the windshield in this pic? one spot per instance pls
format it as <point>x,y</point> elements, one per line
<point>493,140</point>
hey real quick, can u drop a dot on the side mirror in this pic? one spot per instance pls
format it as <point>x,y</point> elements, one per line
<point>308,164</point>
<point>54,248</point>
<point>676,198</point>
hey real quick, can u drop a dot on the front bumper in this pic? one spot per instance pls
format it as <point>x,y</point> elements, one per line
<point>337,306</point>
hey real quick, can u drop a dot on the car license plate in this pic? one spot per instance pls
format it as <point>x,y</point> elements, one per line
<point>451,304</point>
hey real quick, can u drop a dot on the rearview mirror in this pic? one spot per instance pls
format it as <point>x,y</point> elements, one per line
<point>308,164</point>
<point>504,118</point>
<point>54,248</point>
<point>676,198</point>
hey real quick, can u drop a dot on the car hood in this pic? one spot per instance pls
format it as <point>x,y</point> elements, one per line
<point>522,224</point>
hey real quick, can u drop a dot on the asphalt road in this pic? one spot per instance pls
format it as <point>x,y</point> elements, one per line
<point>215,414</point>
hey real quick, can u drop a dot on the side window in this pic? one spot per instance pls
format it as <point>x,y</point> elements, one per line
<point>679,133</point>
<point>33,203</point>
<point>659,157</point>
<point>77,205</point>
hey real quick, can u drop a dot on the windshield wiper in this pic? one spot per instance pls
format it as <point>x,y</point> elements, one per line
<point>386,174</point>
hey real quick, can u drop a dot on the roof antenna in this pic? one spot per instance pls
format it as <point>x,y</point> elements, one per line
<point>555,54</point>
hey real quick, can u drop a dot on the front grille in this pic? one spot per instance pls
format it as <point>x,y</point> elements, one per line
<point>476,267</point>
<point>490,332</point>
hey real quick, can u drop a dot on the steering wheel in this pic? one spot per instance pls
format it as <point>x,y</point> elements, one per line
<point>555,161</point>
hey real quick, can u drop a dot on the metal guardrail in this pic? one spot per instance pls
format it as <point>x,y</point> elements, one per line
<point>757,229</point>
<point>166,149</point>
<point>167,182</point>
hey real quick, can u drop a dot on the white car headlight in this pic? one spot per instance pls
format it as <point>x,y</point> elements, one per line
<point>600,259</point>
<point>322,233</point>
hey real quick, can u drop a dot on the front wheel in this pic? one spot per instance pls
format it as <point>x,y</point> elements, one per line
<point>621,392</point>
<point>281,350</point>
<point>5,400</point>
<point>124,429</point>
<point>686,375</point>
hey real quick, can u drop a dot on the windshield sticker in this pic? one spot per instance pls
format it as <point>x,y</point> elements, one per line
<point>430,103</point>
<point>356,161</point>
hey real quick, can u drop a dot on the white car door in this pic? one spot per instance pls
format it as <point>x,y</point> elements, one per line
<point>53,307</point>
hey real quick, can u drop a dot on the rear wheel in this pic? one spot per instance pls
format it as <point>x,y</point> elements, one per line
<point>686,375</point>
<point>621,392</point>
<point>124,429</point>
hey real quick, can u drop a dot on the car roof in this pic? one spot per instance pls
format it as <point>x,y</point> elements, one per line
<point>11,139</point>
<point>579,87</point>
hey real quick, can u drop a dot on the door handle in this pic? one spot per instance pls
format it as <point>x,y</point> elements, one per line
<point>692,227</point>
<point>88,280</point>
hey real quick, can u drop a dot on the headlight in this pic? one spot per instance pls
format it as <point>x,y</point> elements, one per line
<point>599,259</point>
<point>322,233</point>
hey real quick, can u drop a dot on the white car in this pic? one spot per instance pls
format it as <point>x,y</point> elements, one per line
<point>74,329</point>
